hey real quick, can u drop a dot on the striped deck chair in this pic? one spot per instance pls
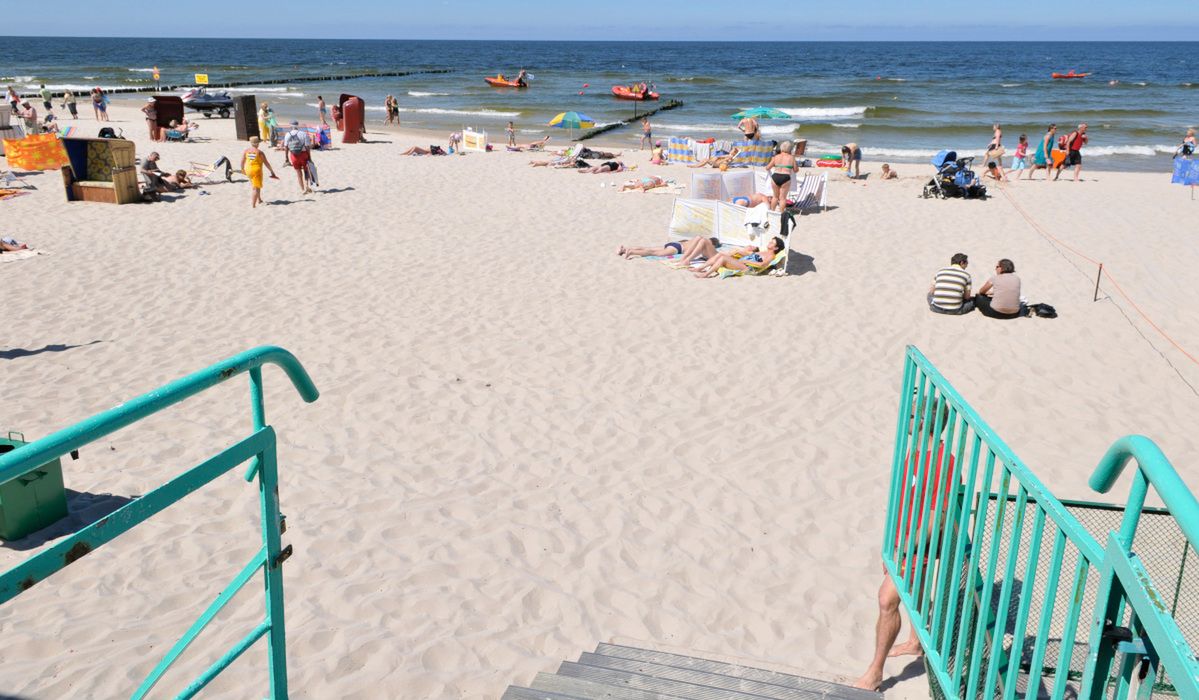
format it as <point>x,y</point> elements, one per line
<point>756,269</point>
<point>680,150</point>
<point>811,193</point>
<point>754,154</point>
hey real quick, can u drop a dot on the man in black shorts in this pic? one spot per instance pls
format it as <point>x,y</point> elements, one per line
<point>1074,143</point>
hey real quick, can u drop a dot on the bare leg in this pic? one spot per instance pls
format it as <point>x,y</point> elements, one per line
<point>644,252</point>
<point>698,247</point>
<point>885,632</point>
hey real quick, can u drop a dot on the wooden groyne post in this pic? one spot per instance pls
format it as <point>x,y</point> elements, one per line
<point>673,104</point>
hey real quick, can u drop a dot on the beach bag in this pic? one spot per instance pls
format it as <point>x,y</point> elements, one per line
<point>296,142</point>
<point>1042,311</point>
<point>107,133</point>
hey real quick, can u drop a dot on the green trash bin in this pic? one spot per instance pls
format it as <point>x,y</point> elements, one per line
<point>33,500</point>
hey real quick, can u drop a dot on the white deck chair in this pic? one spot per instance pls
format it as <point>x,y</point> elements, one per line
<point>8,130</point>
<point>812,192</point>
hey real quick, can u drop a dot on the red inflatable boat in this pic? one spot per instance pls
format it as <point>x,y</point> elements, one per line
<point>501,81</point>
<point>1069,76</point>
<point>624,93</point>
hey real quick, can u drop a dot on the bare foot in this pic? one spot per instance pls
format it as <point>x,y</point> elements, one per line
<point>909,648</point>
<point>871,681</point>
<point>620,251</point>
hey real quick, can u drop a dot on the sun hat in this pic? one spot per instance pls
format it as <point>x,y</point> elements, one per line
<point>294,122</point>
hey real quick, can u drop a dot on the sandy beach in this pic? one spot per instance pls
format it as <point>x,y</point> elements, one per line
<point>525,444</point>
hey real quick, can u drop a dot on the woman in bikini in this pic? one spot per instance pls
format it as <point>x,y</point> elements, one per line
<point>733,261</point>
<point>782,171</point>
<point>644,184</point>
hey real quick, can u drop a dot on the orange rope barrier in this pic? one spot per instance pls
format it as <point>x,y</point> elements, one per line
<point>1032,222</point>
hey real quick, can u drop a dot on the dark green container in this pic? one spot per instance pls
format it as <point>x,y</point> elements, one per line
<point>33,500</point>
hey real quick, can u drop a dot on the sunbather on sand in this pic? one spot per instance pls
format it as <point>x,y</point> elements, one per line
<point>534,146</point>
<point>10,245</point>
<point>718,161</point>
<point>611,166</point>
<point>691,247</point>
<point>746,262</point>
<point>645,184</point>
<point>433,150</point>
<point>180,180</point>
<point>750,201</point>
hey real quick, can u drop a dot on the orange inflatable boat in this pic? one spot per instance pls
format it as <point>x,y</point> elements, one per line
<point>623,92</point>
<point>501,81</point>
<point>1069,76</point>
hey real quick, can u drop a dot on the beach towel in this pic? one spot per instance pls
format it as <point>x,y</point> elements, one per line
<point>753,154</point>
<point>36,152</point>
<point>680,150</point>
<point>1186,172</point>
<point>15,255</point>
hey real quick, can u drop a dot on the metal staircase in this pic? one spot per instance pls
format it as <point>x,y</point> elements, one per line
<point>616,672</point>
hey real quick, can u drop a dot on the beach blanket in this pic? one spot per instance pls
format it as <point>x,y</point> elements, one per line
<point>680,150</point>
<point>15,255</point>
<point>753,154</point>
<point>1186,172</point>
<point>36,152</point>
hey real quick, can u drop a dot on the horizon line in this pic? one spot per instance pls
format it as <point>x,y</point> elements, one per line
<point>625,41</point>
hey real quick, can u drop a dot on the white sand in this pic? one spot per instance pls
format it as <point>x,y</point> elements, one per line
<point>526,445</point>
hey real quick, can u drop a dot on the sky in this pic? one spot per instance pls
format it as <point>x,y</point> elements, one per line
<point>626,20</point>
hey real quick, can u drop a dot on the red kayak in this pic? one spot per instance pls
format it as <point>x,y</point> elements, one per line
<point>624,93</point>
<point>501,81</point>
<point>1069,76</point>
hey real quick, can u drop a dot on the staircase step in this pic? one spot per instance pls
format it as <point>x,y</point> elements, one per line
<point>566,686</point>
<point>827,689</point>
<point>516,693</point>
<point>641,681</point>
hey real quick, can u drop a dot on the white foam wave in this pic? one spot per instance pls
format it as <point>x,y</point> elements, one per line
<point>259,89</point>
<point>58,87</point>
<point>1010,84</point>
<point>140,70</point>
<point>696,128</point>
<point>778,130</point>
<point>846,126</point>
<point>1127,150</point>
<point>417,93</point>
<point>826,112</point>
<point>486,113</point>
<point>16,79</point>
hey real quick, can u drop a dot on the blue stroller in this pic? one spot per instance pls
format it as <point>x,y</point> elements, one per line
<point>954,178</point>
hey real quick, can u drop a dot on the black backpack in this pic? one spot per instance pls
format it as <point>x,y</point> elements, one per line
<point>108,133</point>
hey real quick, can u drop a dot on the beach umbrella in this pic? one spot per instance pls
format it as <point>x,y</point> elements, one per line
<point>762,113</point>
<point>572,121</point>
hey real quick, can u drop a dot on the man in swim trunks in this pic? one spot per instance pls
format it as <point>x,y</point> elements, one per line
<point>692,247</point>
<point>298,148</point>
<point>1075,140</point>
<point>851,156</point>
<point>611,166</point>
<point>647,134</point>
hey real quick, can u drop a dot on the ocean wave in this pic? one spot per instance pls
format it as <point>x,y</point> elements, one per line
<point>140,70</point>
<point>697,79</point>
<point>417,93</point>
<point>696,128</point>
<point>73,87</point>
<point>1127,150</point>
<point>1010,85</point>
<point>847,126</point>
<point>826,112</point>
<point>770,130</point>
<point>260,89</point>
<point>486,113</point>
<point>17,79</point>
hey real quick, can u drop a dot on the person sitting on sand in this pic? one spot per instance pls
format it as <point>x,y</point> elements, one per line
<point>888,173</point>
<point>733,261</point>
<point>721,162</point>
<point>999,297</point>
<point>1188,146</point>
<point>950,291</point>
<point>645,184</point>
<point>612,166</point>
<point>690,247</point>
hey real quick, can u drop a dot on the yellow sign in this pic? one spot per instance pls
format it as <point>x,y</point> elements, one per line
<point>156,72</point>
<point>201,78</point>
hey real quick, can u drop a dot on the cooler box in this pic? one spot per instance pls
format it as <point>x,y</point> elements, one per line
<point>33,500</point>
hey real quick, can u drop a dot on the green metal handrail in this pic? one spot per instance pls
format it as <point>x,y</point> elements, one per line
<point>963,510</point>
<point>258,448</point>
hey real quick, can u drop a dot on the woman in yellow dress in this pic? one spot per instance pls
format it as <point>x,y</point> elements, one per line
<point>265,117</point>
<point>252,161</point>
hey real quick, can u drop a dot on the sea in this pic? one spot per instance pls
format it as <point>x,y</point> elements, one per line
<point>900,101</point>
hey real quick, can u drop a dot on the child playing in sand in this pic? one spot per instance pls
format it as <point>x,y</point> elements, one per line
<point>252,161</point>
<point>511,134</point>
<point>888,173</point>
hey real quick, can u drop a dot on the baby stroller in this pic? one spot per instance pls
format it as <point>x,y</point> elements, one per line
<point>954,178</point>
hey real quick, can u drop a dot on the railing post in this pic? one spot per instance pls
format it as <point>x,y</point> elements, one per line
<point>272,570</point>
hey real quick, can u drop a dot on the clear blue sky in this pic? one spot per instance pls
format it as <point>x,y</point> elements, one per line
<point>889,20</point>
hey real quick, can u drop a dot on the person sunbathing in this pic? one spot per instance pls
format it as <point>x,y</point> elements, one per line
<point>585,152</point>
<point>10,245</point>
<point>692,247</point>
<point>645,184</point>
<point>432,150</point>
<point>611,166</point>
<point>534,146</point>
<point>180,180</point>
<point>752,261</point>
<point>721,162</point>
<point>751,200</point>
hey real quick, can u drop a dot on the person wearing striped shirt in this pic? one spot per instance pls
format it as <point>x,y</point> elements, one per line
<point>950,291</point>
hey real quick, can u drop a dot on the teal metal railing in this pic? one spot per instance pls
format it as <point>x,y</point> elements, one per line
<point>257,449</point>
<point>1009,594</point>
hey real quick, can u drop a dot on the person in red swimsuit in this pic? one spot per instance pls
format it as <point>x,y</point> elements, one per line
<point>1074,143</point>
<point>886,629</point>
